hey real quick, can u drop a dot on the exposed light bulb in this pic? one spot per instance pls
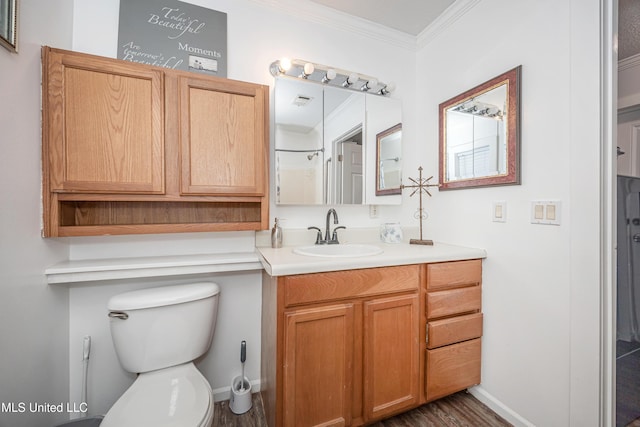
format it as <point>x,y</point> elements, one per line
<point>387,89</point>
<point>307,70</point>
<point>353,77</point>
<point>369,85</point>
<point>329,75</point>
<point>284,64</point>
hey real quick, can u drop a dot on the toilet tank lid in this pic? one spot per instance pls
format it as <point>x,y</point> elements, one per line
<point>162,296</point>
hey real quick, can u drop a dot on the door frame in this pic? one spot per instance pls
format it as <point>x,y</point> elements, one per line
<point>608,195</point>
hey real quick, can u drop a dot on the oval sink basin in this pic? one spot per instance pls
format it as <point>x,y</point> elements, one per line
<point>338,251</point>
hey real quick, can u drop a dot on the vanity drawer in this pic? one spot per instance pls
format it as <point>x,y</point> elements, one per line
<point>336,285</point>
<point>453,330</point>
<point>450,302</point>
<point>452,368</point>
<point>454,274</point>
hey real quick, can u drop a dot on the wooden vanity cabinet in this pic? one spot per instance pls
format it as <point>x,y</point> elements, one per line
<point>347,348</point>
<point>130,148</point>
<point>340,348</point>
<point>454,327</point>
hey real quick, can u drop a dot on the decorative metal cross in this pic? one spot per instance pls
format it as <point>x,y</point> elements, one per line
<point>420,186</point>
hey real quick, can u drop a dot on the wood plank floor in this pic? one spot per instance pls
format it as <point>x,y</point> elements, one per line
<point>459,409</point>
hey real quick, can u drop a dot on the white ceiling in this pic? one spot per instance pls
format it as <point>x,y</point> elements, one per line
<point>413,16</point>
<point>408,16</point>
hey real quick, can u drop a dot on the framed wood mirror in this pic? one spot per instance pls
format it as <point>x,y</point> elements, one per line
<point>388,161</point>
<point>480,135</point>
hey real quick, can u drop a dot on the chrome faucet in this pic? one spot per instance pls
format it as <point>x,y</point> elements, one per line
<point>328,229</point>
<point>329,238</point>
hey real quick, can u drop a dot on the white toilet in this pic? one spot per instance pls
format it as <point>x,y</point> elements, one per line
<point>157,333</point>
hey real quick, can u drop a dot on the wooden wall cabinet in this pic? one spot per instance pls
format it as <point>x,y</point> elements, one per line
<point>454,327</point>
<point>130,148</point>
<point>340,348</point>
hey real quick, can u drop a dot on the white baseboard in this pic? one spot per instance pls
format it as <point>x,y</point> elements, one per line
<point>223,393</point>
<point>499,408</point>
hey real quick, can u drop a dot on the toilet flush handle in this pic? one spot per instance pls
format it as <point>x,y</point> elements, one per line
<point>118,315</point>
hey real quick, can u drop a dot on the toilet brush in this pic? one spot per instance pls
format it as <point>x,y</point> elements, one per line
<point>240,400</point>
<point>86,350</point>
<point>243,357</point>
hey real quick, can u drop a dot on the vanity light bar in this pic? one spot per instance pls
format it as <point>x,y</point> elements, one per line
<point>480,109</point>
<point>323,74</point>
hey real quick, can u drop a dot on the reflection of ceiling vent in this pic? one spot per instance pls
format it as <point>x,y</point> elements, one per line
<point>301,100</point>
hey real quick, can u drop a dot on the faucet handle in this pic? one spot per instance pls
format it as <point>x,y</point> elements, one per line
<point>318,236</point>
<point>334,237</point>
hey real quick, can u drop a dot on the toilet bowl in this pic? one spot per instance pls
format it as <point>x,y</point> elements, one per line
<point>157,333</point>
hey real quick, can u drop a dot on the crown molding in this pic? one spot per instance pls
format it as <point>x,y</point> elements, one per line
<point>314,12</point>
<point>630,62</point>
<point>444,21</point>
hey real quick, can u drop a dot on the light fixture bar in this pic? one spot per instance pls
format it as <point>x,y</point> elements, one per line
<point>330,76</point>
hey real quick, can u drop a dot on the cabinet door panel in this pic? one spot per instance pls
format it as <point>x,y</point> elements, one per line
<point>318,366</point>
<point>452,368</point>
<point>391,349</point>
<point>222,137</point>
<point>105,125</point>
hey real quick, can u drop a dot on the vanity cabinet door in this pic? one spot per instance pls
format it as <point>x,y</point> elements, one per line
<point>391,349</point>
<point>318,366</point>
<point>103,123</point>
<point>223,142</point>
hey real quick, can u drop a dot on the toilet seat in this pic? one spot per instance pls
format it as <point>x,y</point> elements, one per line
<point>179,396</point>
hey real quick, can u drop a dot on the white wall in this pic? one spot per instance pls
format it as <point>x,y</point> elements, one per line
<point>257,35</point>
<point>540,290</point>
<point>33,315</point>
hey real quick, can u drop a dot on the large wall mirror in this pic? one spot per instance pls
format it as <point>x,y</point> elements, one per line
<point>325,143</point>
<point>480,135</point>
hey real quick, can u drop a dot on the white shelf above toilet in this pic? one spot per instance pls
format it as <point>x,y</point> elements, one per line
<point>92,270</point>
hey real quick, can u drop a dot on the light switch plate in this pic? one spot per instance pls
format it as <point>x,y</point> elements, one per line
<point>546,212</point>
<point>499,212</point>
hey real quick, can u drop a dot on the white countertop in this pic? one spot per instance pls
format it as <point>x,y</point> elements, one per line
<point>283,261</point>
<point>277,262</point>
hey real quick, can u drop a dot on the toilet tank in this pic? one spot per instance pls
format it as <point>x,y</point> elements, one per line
<point>160,327</point>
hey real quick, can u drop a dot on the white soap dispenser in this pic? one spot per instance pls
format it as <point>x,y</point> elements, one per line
<point>276,235</point>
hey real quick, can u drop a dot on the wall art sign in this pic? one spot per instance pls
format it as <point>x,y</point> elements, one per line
<point>9,24</point>
<point>173,34</point>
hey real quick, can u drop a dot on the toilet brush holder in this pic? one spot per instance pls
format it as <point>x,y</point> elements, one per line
<point>240,399</point>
